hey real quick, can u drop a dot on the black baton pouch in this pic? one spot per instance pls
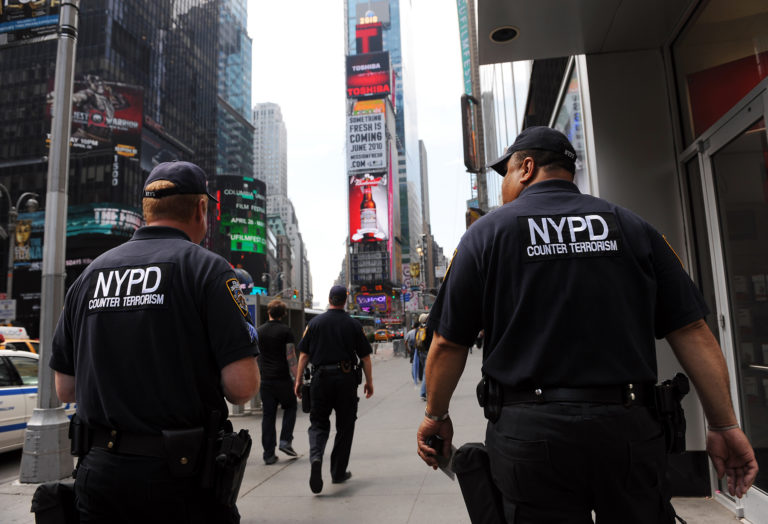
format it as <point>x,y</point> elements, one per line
<point>481,496</point>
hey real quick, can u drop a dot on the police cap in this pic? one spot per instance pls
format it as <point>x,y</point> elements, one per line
<point>188,179</point>
<point>536,137</point>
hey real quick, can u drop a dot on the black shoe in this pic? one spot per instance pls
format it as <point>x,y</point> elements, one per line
<point>316,477</point>
<point>288,450</point>
<point>347,475</point>
<point>270,460</point>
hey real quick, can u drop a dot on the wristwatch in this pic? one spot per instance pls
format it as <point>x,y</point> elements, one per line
<point>436,418</point>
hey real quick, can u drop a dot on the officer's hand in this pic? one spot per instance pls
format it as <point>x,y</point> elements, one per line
<point>431,427</point>
<point>297,389</point>
<point>368,389</point>
<point>732,455</point>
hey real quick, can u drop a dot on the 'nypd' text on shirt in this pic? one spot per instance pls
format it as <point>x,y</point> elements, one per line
<point>129,288</point>
<point>546,237</point>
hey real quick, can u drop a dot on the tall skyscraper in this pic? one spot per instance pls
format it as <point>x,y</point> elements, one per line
<point>235,131</point>
<point>270,148</point>
<point>394,15</point>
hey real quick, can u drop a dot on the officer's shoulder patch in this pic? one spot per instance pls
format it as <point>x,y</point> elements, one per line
<point>233,285</point>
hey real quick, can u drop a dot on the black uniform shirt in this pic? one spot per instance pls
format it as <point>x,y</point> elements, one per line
<point>334,337</point>
<point>273,337</point>
<point>146,330</point>
<point>570,290</point>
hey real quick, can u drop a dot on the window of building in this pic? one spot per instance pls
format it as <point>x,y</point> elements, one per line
<point>719,57</point>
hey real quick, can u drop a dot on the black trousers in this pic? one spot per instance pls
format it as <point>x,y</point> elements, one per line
<point>272,395</point>
<point>337,391</point>
<point>113,488</point>
<point>558,462</point>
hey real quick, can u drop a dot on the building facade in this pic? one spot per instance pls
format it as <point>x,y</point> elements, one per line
<point>270,148</point>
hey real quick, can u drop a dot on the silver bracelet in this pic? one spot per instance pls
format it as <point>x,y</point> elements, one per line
<point>436,418</point>
<point>719,429</point>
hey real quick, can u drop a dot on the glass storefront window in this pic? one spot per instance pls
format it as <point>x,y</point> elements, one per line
<point>569,121</point>
<point>719,57</point>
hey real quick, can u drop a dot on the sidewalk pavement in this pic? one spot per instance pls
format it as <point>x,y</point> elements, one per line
<point>389,484</point>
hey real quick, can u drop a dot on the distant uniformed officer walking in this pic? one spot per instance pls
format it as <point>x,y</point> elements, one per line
<point>571,291</point>
<point>154,334</point>
<point>335,344</point>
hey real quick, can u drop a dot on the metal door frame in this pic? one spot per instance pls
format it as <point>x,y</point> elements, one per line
<point>729,127</point>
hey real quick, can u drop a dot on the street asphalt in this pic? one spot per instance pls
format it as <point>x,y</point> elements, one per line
<point>389,484</point>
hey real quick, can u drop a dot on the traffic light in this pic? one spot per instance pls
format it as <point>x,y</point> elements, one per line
<point>295,294</point>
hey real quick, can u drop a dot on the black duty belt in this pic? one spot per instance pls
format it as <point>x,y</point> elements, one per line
<point>346,366</point>
<point>628,395</point>
<point>122,443</point>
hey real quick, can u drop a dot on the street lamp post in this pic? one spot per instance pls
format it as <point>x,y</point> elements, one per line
<point>13,215</point>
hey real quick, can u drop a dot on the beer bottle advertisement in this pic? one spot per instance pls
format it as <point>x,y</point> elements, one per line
<point>368,207</point>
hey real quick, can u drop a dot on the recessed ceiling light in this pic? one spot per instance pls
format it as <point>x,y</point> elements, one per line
<point>504,34</point>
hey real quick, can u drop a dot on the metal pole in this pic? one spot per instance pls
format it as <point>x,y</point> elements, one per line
<point>46,454</point>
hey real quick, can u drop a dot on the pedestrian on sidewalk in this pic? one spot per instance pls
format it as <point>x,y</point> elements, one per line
<point>336,346</point>
<point>153,335</point>
<point>571,291</point>
<point>422,340</point>
<point>409,341</point>
<point>278,372</point>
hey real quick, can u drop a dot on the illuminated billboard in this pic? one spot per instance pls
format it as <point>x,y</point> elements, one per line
<point>241,215</point>
<point>23,21</point>
<point>106,117</point>
<point>369,207</point>
<point>368,75</point>
<point>367,137</point>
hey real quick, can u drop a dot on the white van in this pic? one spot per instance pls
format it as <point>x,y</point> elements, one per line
<point>15,332</point>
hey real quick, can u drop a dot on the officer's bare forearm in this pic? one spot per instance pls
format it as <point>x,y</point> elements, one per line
<point>701,357</point>
<point>240,380</point>
<point>445,365</point>
<point>65,386</point>
<point>367,368</point>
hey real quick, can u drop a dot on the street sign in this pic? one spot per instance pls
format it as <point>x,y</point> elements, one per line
<point>7,310</point>
<point>406,297</point>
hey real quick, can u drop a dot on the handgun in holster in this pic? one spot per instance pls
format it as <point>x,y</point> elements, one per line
<point>669,411</point>
<point>490,396</point>
<point>225,459</point>
<point>481,496</point>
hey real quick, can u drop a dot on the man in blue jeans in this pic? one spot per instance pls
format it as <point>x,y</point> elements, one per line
<point>278,366</point>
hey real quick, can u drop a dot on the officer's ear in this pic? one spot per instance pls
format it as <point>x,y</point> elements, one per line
<point>529,168</point>
<point>202,209</point>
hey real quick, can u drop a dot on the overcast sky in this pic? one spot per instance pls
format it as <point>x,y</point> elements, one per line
<point>298,62</point>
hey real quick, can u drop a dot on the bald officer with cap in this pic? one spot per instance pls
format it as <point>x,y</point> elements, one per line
<point>571,291</point>
<point>335,344</point>
<point>154,335</point>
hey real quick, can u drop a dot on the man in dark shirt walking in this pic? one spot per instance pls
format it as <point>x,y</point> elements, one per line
<point>335,344</point>
<point>278,369</point>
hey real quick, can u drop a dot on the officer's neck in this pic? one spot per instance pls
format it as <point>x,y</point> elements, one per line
<point>192,229</point>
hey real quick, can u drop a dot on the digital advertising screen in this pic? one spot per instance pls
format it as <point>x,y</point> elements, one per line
<point>366,142</point>
<point>106,117</point>
<point>369,207</point>
<point>368,75</point>
<point>23,21</point>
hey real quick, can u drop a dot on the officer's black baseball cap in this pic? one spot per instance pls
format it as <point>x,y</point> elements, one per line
<point>536,137</point>
<point>338,292</point>
<point>188,179</point>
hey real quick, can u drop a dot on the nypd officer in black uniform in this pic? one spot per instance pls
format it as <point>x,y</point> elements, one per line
<point>154,335</point>
<point>571,291</point>
<point>335,344</point>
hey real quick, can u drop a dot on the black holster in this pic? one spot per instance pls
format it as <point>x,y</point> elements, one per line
<point>669,412</point>
<point>306,395</point>
<point>80,437</point>
<point>481,496</point>
<point>490,396</point>
<point>225,460</point>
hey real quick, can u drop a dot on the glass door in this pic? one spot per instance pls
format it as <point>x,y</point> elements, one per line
<point>736,183</point>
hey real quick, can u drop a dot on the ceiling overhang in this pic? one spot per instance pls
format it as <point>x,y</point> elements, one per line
<point>555,28</point>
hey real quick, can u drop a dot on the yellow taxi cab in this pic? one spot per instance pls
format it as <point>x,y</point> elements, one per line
<point>20,344</point>
<point>381,335</point>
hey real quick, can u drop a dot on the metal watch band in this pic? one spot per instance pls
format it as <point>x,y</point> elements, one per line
<point>434,417</point>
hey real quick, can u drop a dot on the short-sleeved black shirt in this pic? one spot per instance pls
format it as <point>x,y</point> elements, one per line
<point>273,337</point>
<point>146,330</point>
<point>334,337</point>
<point>570,290</point>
